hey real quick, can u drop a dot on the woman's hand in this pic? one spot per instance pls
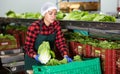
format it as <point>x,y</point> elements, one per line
<point>37,57</point>
<point>68,58</point>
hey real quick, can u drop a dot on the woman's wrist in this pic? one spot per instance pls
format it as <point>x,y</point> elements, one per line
<point>34,56</point>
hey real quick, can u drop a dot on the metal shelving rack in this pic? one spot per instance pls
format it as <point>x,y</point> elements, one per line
<point>109,29</point>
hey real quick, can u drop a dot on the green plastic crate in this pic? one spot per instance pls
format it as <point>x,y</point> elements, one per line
<point>89,66</point>
<point>83,32</point>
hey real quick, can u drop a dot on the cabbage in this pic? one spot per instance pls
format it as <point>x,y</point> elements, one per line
<point>44,51</point>
<point>60,15</point>
<point>27,15</point>
<point>88,17</point>
<point>104,18</point>
<point>75,15</point>
<point>11,14</point>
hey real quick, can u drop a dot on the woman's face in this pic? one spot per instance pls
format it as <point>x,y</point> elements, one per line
<point>50,16</point>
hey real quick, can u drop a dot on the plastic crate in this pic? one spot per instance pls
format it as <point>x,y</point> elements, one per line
<point>76,48</point>
<point>83,32</point>
<point>6,43</point>
<point>110,59</point>
<point>84,50</point>
<point>91,66</point>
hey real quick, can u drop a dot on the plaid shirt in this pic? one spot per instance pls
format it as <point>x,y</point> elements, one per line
<point>34,30</point>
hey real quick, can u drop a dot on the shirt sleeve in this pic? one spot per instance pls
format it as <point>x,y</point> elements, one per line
<point>60,41</point>
<point>30,39</point>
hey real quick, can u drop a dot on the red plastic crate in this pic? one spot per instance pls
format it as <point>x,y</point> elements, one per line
<point>87,50</point>
<point>116,61</point>
<point>19,35</point>
<point>108,62</point>
<point>110,59</point>
<point>6,44</point>
<point>106,56</point>
<point>17,39</point>
<point>15,33</point>
<point>75,48</point>
<point>22,37</point>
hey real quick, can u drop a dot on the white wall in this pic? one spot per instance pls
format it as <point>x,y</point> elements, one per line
<point>21,6</point>
<point>108,6</point>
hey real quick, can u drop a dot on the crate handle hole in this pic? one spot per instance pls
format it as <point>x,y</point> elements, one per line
<point>39,69</point>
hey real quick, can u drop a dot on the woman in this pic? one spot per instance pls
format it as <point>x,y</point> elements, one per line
<point>46,29</point>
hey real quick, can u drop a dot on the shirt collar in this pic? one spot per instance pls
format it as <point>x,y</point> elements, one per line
<point>43,23</point>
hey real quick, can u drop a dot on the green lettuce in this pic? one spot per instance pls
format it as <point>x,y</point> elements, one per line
<point>75,15</point>
<point>44,51</point>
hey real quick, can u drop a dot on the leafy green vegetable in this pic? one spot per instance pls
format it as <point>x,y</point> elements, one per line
<point>88,17</point>
<point>44,51</point>
<point>105,44</point>
<point>28,15</point>
<point>7,36</point>
<point>108,45</point>
<point>75,15</point>
<point>10,14</point>
<point>60,15</point>
<point>77,58</point>
<point>52,54</point>
<point>52,62</point>
<point>38,15</point>
<point>63,61</point>
<point>106,18</point>
<point>16,27</point>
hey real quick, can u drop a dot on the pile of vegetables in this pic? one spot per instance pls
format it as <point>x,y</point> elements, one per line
<point>60,15</point>
<point>54,61</point>
<point>7,41</point>
<point>6,36</point>
<point>86,16</point>
<point>47,56</point>
<point>105,44</point>
<point>26,15</point>
<point>74,15</point>
<point>16,27</point>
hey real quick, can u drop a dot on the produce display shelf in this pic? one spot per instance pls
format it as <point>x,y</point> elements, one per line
<point>66,23</point>
<point>99,29</point>
<point>92,24</point>
<point>15,20</point>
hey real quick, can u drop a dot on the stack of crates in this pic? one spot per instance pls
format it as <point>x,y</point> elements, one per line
<point>7,43</point>
<point>110,58</point>
<point>18,31</point>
